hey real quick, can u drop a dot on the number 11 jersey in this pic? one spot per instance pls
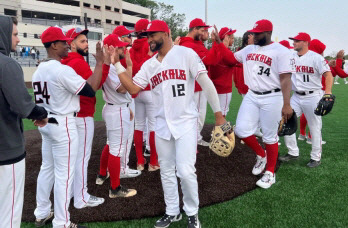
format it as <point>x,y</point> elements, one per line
<point>262,65</point>
<point>172,84</point>
<point>56,87</point>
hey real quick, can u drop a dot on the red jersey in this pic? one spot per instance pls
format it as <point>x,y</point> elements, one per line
<point>209,57</point>
<point>81,67</point>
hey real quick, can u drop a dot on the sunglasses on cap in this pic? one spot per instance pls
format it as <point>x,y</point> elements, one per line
<point>129,35</point>
<point>77,30</point>
<point>229,30</point>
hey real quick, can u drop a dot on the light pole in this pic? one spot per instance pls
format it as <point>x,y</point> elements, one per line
<point>206,11</point>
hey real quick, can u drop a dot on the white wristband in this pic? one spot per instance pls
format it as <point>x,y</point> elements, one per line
<point>119,68</point>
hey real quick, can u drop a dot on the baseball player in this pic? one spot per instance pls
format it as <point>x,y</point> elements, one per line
<point>56,88</point>
<point>125,172</point>
<point>267,72</point>
<point>171,74</point>
<point>221,74</point>
<point>84,119</point>
<point>210,57</point>
<point>310,67</point>
<point>117,116</point>
<point>15,104</point>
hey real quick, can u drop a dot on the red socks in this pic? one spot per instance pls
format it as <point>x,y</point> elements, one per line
<point>114,166</point>
<point>138,141</point>
<point>252,142</point>
<point>272,156</point>
<point>303,124</point>
<point>104,160</point>
<point>153,153</point>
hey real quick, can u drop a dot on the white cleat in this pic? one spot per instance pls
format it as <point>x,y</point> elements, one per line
<point>336,83</point>
<point>302,137</point>
<point>203,143</point>
<point>94,201</point>
<point>309,140</point>
<point>130,173</point>
<point>260,165</point>
<point>267,180</point>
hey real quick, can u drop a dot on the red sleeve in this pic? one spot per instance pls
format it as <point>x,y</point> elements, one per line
<point>338,69</point>
<point>81,67</point>
<point>105,74</point>
<point>229,58</point>
<point>213,57</point>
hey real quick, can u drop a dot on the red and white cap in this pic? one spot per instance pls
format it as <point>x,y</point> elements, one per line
<point>114,40</point>
<point>141,25</point>
<point>197,22</point>
<point>262,26</point>
<point>54,34</point>
<point>302,36</point>
<point>157,26</point>
<point>122,31</point>
<point>226,31</point>
<point>286,44</point>
<point>75,32</point>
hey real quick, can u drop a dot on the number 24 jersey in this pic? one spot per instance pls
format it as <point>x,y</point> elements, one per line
<point>172,85</point>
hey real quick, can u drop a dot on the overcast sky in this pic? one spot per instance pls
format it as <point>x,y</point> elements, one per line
<point>326,20</point>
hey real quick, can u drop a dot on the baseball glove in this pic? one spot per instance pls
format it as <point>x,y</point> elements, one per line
<point>222,140</point>
<point>325,105</point>
<point>288,128</point>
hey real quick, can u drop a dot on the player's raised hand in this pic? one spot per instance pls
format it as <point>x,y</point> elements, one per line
<point>99,55</point>
<point>332,63</point>
<point>107,55</point>
<point>216,34</point>
<point>340,54</point>
<point>128,59</point>
<point>287,112</point>
<point>226,41</point>
<point>177,40</point>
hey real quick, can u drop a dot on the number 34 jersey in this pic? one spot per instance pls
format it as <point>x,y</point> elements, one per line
<point>172,85</point>
<point>309,70</point>
<point>56,87</point>
<point>263,64</point>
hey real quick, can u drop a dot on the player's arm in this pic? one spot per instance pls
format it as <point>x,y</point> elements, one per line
<point>212,97</point>
<point>286,85</point>
<point>129,69</point>
<point>124,76</point>
<point>328,82</point>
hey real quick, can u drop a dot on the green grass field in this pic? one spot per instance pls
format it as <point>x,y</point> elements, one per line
<point>302,197</point>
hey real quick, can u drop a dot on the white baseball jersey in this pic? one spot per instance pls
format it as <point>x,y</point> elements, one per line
<point>110,87</point>
<point>172,83</point>
<point>56,87</point>
<point>263,64</point>
<point>309,70</point>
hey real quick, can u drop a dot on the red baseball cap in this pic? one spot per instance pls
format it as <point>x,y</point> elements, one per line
<point>317,46</point>
<point>114,40</point>
<point>302,36</point>
<point>226,31</point>
<point>286,44</point>
<point>157,26</point>
<point>197,22</point>
<point>53,34</point>
<point>262,26</point>
<point>141,25</point>
<point>74,32</point>
<point>122,31</point>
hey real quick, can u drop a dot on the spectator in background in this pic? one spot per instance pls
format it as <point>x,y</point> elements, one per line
<point>37,54</point>
<point>33,52</point>
<point>22,52</point>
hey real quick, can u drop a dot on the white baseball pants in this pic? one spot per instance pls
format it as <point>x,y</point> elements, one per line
<point>144,107</point>
<point>125,158</point>
<point>11,194</point>
<point>179,156</point>
<point>225,100</point>
<point>117,120</point>
<point>307,104</point>
<point>85,130</point>
<point>265,109</point>
<point>201,102</point>
<point>59,152</point>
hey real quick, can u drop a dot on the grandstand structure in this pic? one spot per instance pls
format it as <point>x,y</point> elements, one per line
<point>35,16</point>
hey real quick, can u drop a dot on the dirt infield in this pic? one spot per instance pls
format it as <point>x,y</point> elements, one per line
<point>220,179</point>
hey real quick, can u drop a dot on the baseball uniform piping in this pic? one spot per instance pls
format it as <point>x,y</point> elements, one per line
<point>199,72</point>
<point>83,84</point>
<point>137,84</point>
<point>14,191</point>
<point>67,181</point>
<point>83,162</point>
<point>119,150</point>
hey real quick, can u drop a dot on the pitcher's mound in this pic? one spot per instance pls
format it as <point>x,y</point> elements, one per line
<point>219,179</point>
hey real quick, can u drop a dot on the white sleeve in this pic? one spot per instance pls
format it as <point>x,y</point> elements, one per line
<point>113,78</point>
<point>196,65</point>
<point>141,79</point>
<point>71,81</point>
<point>285,62</point>
<point>239,55</point>
<point>322,65</point>
<point>209,91</point>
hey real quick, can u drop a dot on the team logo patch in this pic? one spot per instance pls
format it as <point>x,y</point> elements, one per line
<point>148,26</point>
<point>255,25</point>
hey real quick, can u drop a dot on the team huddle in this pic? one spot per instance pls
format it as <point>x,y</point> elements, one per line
<point>156,92</point>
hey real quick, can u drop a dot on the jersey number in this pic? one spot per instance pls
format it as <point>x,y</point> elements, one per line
<point>41,91</point>
<point>305,78</point>
<point>180,90</point>
<point>264,71</point>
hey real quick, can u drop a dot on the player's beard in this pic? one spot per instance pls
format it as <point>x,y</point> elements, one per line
<point>197,37</point>
<point>261,42</point>
<point>155,46</point>
<point>81,51</point>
